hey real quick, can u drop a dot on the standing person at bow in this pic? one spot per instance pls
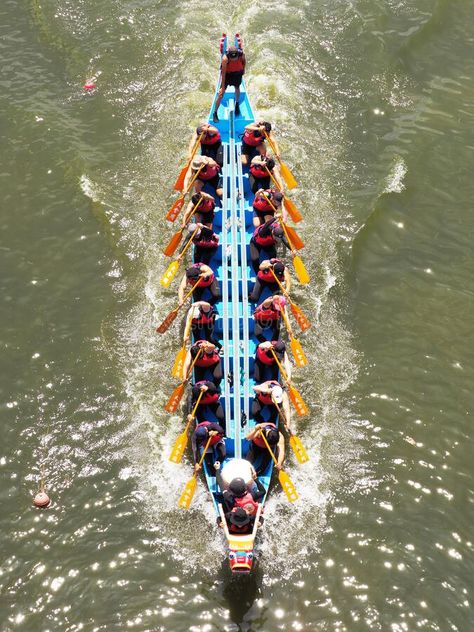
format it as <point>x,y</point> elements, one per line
<point>201,205</point>
<point>265,366</point>
<point>260,169</point>
<point>265,203</point>
<point>200,321</point>
<point>253,141</point>
<point>209,173</point>
<point>207,281</point>
<point>211,143</point>
<point>216,450</point>
<point>267,317</point>
<point>210,398</point>
<point>232,71</point>
<point>266,279</point>
<point>205,242</point>
<point>209,361</point>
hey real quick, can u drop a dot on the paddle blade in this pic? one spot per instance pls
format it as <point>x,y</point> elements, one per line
<point>188,493</point>
<point>293,211</point>
<point>174,211</point>
<point>298,352</point>
<point>179,448</point>
<point>177,370</point>
<point>301,319</point>
<point>176,396</point>
<point>169,274</point>
<point>287,176</point>
<point>179,184</point>
<point>168,321</point>
<point>288,487</point>
<point>298,402</point>
<point>173,244</point>
<point>295,239</point>
<point>299,449</point>
<point>301,272</point>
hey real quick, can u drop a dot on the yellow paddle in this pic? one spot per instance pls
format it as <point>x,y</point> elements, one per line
<point>170,272</point>
<point>176,396</point>
<point>285,480</point>
<point>182,441</point>
<point>302,320</point>
<point>295,442</point>
<point>301,272</point>
<point>177,370</point>
<point>295,396</point>
<point>295,344</point>
<point>285,171</point>
<point>188,492</point>
<point>179,184</point>
<point>289,205</point>
<point>174,211</point>
<point>168,321</point>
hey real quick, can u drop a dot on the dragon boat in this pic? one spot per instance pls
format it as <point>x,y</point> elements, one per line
<point>233,223</point>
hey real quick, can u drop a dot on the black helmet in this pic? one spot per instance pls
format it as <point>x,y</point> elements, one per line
<point>277,232</point>
<point>238,487</point>
<point>278,267</point>
<point>233,52</point>
<point>277,196</point>
<point>195,198</point>
<point>279,347</point>
<point>272,436</point>
<point>270,163</point>
<point>193,273</point>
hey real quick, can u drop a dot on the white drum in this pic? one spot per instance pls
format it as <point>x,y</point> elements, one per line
<point>237,468</point>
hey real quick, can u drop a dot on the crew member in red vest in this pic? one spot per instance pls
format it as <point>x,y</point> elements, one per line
<point>232,71</point>
<point>239,521</point>
<point>201,318</point>
<point>211,399</point>
<point>205,242</point>
<point>216,450</point>
<point>204,211</point>
<point>211,142</point>
<point>209,173</point>
<point>207,281</point>
<point>264,240</point>
<point>259,177</point>
<point>265,367</point>
<point>258,453</point>
<point>209,361</point>
<point>267,317</point>
<point>264,204</point>
<point>266,279</point>
<point>253,141</point>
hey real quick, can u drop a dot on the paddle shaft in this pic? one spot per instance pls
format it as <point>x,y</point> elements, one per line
<point>268,446</point>
<point>204,453</point>
<point>193,210</point>
<point>188,244</point>
<point>280,366</point>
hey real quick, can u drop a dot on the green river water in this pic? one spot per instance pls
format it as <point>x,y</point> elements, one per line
<point>373,102</point>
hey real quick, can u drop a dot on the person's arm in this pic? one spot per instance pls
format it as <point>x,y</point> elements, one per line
<point>265,264</point>
<point>182,288</point>
<point>244,62</point>
<point>224,68</point>
<point>276,174</point>
<point>287,280</point>
<point>187,326</point>
<point>188,177</point>
<point>286,410</point>
<point>281,452</point>
<point>260,491</point>
<point>187,363</point>
<point>254,431</point>
<point>187,214</point>
<point>252,127</point>
<point>275,146</point>
<point>287,365</point>
<point>192,142</point>
<point>194,446</point>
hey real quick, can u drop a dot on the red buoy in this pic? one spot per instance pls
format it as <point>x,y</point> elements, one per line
<point>41,500</point>
<point>89,85</point>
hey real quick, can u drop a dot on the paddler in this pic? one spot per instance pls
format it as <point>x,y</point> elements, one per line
<point>269,395</point>
<point>259,177</point>
<point>209,361</point>
<point>265,366</point>
<point>265,202</point>
<point>204,211</point>
<point>211,143</point>
<point>209,174</point>
<point>205,242</point>
<point>207,280</point>
<point>253,140</point>
<point>216,450</point>
<point>232,71</point>
<point>266,279</point>
<point>267,316</point>
<point>201,319</point>
<point>264,240</point>
<point>258,453</point>
<point>210,398</point>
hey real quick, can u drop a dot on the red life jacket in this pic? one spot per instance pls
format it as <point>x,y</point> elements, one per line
<point>258,171</point>
<point>208,172</point>
<point>266,313</point>
<point>267,276</point>
<point>206,205</point>
<point>261,203</point>
<point>203,281</point>
<point>247,503</point>
<point>265,398</point>
<point>265,355</point>
<point>204,359</point>
<point>204,317</point>
<point>213,242</point>
<point>208,139</point>
<point>208,398</point>
<point>216,438</point>
<point>253,139</point>
<point>264,242</point>
<point>258,440</point>
<point>235,65</point>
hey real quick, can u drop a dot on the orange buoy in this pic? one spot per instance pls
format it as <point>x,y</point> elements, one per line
<point>41,500</point>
